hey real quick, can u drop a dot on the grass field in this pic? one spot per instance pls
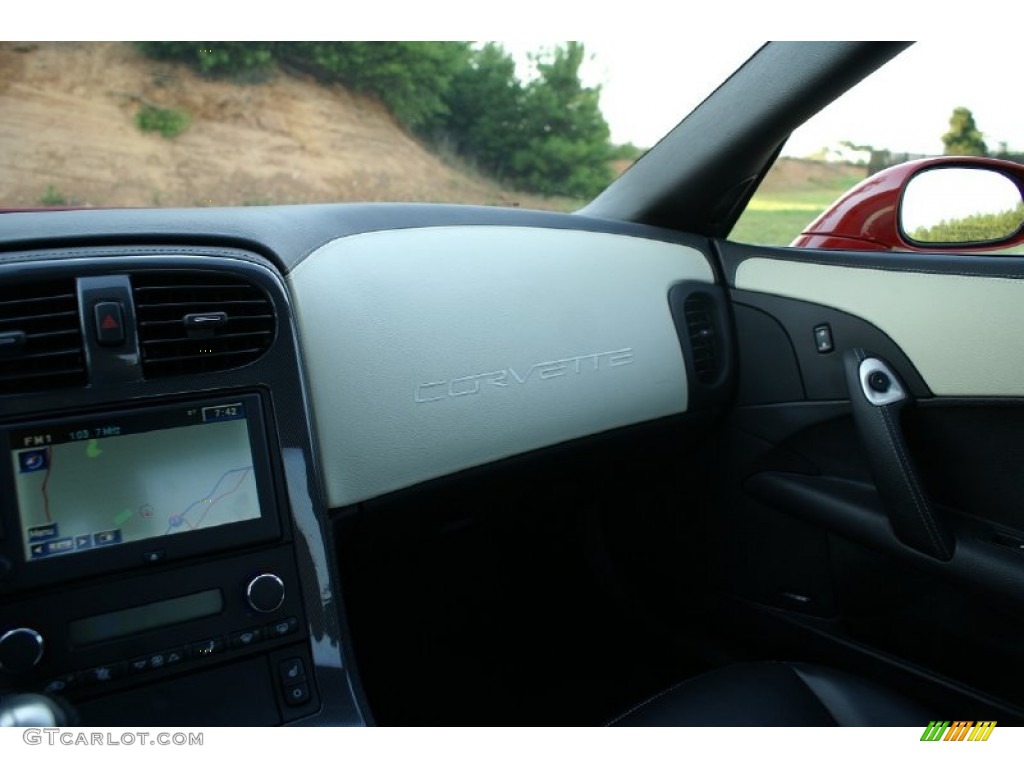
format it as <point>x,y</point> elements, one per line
<point>772,226</point>
<point>790,198</point>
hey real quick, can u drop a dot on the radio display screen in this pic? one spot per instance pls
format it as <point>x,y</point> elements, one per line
<point>94,482</point>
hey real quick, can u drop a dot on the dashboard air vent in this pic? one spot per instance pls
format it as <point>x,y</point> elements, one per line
<point>40,337</point>
<point>195,321</point>
<point>700,323</point>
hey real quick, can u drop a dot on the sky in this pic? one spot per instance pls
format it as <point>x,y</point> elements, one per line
<point>904,107</point>
<point>654,60</point>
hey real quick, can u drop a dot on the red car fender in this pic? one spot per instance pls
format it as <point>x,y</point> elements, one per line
<point>866,217</point>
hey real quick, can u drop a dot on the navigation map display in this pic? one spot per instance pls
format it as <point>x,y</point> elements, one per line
<point>102,481</point>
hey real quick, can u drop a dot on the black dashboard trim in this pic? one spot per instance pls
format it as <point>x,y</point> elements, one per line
<point>283,234</point>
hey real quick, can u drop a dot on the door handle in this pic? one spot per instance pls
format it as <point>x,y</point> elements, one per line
<point>877,399</point>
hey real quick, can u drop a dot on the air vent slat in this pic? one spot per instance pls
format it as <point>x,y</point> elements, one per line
<point>212,302</point>
<point>53,334</point>
<point>180,323</point>
<point>43,316</point>
<point>700,324</point>
<point>15,302</point>
<point>27,358</point>
<point>226,282</point>
<point>212,355</point>
<point>169,348</point>
<point>41,375</point>
<point>221,336</point>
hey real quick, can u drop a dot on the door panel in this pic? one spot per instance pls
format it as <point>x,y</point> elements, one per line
<point>809,538</point>
<point>962,331</point>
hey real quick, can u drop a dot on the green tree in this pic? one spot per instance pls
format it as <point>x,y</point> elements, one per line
<point>485,110</point>
<point>566,149</point>
<point>412,78</point>
<point>963,137</point>
<point>237,59</point>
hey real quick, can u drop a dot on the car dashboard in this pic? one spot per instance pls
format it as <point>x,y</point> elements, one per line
<point>189,399</point>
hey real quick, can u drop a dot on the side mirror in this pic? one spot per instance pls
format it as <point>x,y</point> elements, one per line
<point>961,203</point>
<point>948,206</point>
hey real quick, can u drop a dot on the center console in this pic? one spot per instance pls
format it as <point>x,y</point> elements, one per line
<point>163,557</point>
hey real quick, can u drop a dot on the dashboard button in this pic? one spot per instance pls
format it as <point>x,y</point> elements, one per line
<point>175,656</point>
<point>297,694</point>
<point>282,627</point>
<point>245,638</point>
<point>60,685</point>
<point>109,323</point>
<point>104,673</point>
<point>135,666</point>
<point>153,556</point>
<point>158,660</point>
<point>292,671</point>
<point>206,648</point>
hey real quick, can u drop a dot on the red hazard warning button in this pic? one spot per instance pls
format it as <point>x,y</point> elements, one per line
<point>109,325</point>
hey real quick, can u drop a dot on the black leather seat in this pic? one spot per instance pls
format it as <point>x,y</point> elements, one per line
<point>773,694</point>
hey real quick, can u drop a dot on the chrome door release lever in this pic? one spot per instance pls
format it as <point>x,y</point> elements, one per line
<point>877,399</point>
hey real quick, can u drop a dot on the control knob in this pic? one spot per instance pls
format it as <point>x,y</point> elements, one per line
<point>265,593</point>
<point>34,709</point>
<point>20,650</point>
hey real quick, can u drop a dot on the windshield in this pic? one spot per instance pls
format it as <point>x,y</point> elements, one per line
<point>183,124</point>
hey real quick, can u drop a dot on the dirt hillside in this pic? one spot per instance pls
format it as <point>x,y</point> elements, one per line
<point>790,174</point>
<point>67,125</point>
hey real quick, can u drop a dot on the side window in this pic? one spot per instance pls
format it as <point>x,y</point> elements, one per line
<point>938,140</point>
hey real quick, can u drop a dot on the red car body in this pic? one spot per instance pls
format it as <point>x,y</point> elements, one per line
<point>867,217</point>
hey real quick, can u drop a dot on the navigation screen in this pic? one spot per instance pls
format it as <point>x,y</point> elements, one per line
<point>103,481</point>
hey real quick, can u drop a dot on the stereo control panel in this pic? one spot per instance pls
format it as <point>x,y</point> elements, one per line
<point>99,640</point>
<point>163,530</point>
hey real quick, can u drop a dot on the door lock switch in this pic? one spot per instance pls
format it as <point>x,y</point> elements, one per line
<point>823,338</point>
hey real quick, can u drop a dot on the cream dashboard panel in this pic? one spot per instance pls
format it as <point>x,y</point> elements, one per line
<point>433,350</point>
